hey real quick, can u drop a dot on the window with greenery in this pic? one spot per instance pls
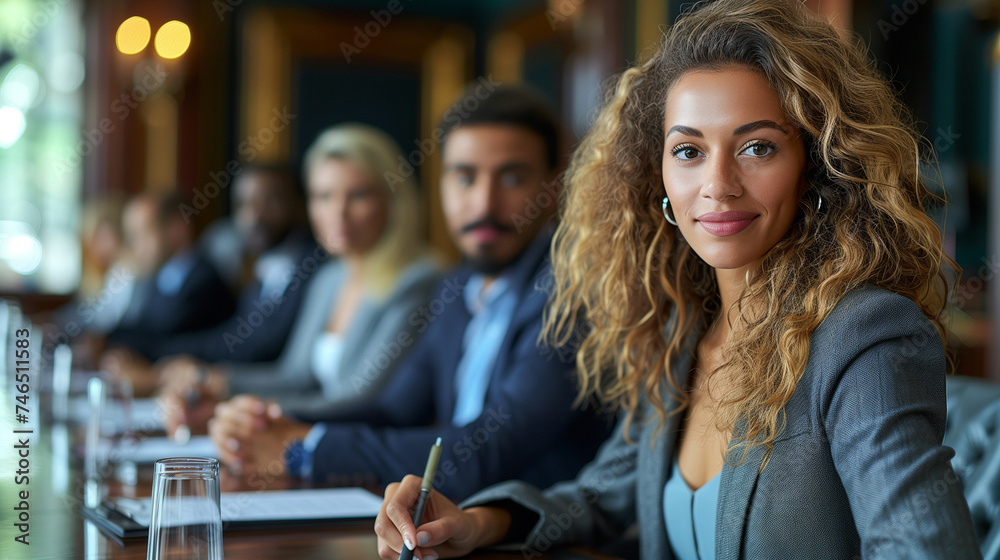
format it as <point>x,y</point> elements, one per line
<point>41,116</point>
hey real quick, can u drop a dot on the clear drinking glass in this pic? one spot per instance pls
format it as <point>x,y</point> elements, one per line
<point>62,370</point>
<point>186,520</point>
<point>110,435</point>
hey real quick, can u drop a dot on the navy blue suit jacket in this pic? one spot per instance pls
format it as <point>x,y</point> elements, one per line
<point>528,428</point>
<point>203,300</point>
<point>256,332</point>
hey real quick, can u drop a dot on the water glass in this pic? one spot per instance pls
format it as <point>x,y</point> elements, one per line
<point>110,435</point>
<point>186,520</point>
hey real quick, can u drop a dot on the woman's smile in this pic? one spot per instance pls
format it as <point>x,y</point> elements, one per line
<point>724,224</point>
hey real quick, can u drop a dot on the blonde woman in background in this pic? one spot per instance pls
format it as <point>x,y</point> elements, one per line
<point>344,345</point>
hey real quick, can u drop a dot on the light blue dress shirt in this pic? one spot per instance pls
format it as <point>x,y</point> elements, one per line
<point>302,467</point>
<point>690,516</point>
<point>492,308</point>
<point>174,273</point>
<point>276,268</point>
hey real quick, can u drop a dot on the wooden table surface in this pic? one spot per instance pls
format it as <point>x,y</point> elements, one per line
<point>58,531</point>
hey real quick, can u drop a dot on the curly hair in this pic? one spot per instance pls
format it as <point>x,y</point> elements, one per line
<point>641,290</point>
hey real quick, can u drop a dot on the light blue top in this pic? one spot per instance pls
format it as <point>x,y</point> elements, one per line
<point>690,516</point>
<point>492,309</point>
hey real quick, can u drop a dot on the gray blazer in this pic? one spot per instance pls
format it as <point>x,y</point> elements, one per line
<point>858,472</point>
<point>369,357</point>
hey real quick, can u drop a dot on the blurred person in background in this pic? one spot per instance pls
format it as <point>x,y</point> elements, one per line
<point>178,290</point>
<point>104,256</point>
<point>345,344</point>
<point>269,215</point>
<point>106,286</point>
<point>503,404</point>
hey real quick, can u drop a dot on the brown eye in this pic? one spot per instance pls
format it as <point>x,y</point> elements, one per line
<point>510,180</point>
<point>685,152</point>
<point>760,149</point>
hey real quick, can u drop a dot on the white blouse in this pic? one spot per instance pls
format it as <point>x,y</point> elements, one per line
<point>325,361</point>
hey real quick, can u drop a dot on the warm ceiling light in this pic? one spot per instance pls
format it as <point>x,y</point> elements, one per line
<point>173,39</point>
<point>133,35</point>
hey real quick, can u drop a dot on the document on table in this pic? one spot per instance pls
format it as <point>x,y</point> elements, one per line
<point>273,506</point>
<point>152,449</point>
<point>140,415</point>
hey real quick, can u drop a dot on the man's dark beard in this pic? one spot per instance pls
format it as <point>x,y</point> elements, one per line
<point>488,266</point>
<point>483,264</point>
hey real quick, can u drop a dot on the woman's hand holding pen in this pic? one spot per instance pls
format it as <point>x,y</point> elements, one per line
<point>445,531</point>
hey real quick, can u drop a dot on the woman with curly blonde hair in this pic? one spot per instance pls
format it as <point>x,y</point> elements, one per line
<point>772,329</point>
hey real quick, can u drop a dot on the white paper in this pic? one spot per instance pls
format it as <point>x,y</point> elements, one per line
<point>180,511</point>
<point>150,450</point>
<point>144,415</point>
<point>276,505</point>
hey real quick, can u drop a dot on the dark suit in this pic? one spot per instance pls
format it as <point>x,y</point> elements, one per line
<point>256,332</point>
<point>858,471</point>
<point>203,300</point>
<point>527,429</point>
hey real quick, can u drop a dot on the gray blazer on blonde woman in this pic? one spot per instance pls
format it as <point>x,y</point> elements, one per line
<point>858,472</point>
<point>367,361</point>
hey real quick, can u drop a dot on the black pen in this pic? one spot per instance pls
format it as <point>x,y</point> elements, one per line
<point>425,493</point>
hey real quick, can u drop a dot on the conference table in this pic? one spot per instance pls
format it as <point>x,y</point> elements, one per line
<point>57,529</point>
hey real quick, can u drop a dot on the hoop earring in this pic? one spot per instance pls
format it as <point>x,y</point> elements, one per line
<point>819,204</point>
<point>670,220</point>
